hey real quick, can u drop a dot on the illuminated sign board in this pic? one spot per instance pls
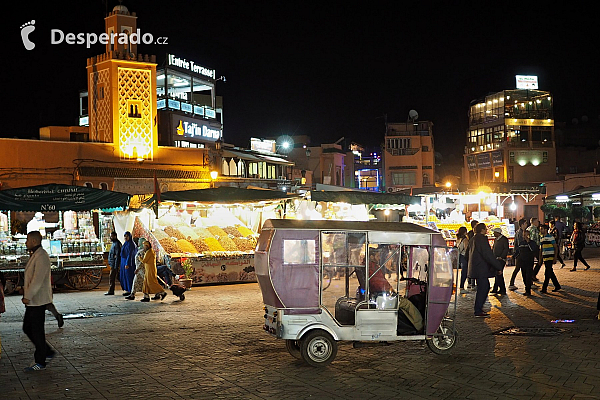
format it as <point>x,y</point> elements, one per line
<point>527,82</point>
<point>190,66</point>
<point>185,128</point>
<point>264,146</point>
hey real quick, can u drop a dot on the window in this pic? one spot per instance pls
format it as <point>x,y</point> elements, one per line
<point>442,267</point>
<point>511,157</point>
<point>425,179</point>
<point>341,248</point>
<point>545,157</point>
<point>88,184</point>
<point>424,148</point>
<point>299,252</point>
<point>404,178</point>
<point>103,186</point>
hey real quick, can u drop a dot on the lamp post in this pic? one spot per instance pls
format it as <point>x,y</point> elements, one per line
<point>213,177</point>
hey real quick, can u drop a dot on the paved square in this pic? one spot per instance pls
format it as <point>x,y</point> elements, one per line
<point>212,346</point>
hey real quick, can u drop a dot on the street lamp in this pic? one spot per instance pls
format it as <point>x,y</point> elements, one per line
<point>213,177</point>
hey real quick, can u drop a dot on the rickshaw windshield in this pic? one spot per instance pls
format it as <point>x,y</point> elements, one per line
<point>441,275</point>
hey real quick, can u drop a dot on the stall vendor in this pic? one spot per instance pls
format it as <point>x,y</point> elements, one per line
<point>38,224</point>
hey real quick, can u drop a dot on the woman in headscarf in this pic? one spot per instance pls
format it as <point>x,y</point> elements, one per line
<point>127,270</point>
<point>138,279</point>
<point>151,285</point>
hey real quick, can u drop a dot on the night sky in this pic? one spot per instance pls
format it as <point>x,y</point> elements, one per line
<point>323,69</point>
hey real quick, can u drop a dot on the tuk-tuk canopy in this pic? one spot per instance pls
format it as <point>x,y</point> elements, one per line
<point>60,197</point>
<point>379,232</point>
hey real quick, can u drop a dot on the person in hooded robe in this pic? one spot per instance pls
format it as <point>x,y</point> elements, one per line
<point>127,270</point>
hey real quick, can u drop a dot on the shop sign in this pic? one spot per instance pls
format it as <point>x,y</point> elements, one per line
<point>186,107</point>
<point>527,81</point>
<point>497,158</point>
<point>263,146</point>
<point>174,104</point>
<point>530,122</point>
<point>471,162</point>
<point>190,66</point>
<point>195,129</point>
<point>483,160</point>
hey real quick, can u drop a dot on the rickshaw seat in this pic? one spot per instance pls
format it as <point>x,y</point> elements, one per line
<point>345,310</point>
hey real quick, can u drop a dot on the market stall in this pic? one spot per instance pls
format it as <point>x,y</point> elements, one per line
<point>213,230</point>
<point>74,228</point>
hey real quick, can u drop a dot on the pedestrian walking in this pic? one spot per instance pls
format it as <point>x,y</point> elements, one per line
<point>462,242</point>
<point>517,244</point>
<point>151,285</point>
<point>557,234</point>
<point>472,283</point>
<point>548,254</point>
<point>114,262</point>
<point>500,250</point>
<point>528,250</point>
<point>127,268</point>
<point>482,266</point>
<point>37,294</point>
<point>578,240</point>
<point>138,279</point>
<point>534,234</point>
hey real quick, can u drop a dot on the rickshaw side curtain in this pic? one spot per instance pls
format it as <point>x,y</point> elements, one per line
<point>296,285</point>
<point>59,197</point>
<point>354,197</point>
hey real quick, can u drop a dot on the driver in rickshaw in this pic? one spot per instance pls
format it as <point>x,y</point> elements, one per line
<point>378,283</point>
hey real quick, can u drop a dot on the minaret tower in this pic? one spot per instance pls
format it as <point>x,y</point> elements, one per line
<point>122,91</point>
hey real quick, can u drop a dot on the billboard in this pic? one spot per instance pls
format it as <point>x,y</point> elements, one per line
<point>527,81</point>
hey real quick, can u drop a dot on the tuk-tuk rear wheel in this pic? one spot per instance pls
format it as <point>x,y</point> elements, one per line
<point>293,348</point>
<point>318,348</point>
<point>444,342</point>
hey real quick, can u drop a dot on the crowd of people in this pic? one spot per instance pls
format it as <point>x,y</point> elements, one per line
<point>136,266</point>
<point>535,245</point>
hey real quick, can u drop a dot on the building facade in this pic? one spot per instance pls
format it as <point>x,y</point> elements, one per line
<point>408,155</point>
<point>510,138</point>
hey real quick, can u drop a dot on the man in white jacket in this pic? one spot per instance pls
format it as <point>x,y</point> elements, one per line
<point>36,296</point>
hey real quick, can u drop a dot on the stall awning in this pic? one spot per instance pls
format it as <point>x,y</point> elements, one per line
<point>586,195</point>
<point>225,195</point>
<point>59,197</point>
<point>356,197</point>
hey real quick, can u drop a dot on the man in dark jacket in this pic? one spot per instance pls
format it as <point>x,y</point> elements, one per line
<point>518,241</point>
<point>528,250</point>
<point>500,250</point>
<point>482,266</point>
<point>114,261</point>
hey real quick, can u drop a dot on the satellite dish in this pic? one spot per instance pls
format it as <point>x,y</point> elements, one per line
<point>413,115</point>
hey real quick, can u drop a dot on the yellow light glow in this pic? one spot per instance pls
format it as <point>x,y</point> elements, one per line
<point>448,184</point>
<point>497,174</point>
<point>214,175</point>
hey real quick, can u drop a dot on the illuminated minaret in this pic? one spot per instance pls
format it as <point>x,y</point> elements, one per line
<point>122,91</point>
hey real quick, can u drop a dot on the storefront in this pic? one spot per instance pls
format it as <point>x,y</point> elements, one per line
<point>214,230</point>
<point>75,223</point>
<point>188,111</point>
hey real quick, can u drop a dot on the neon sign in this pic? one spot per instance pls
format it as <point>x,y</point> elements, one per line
<point>190,66</point>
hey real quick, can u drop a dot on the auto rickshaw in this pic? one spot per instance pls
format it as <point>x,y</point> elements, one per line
<point>366,282</point>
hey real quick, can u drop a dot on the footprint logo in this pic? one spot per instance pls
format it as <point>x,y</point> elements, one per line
<point>26,29</point>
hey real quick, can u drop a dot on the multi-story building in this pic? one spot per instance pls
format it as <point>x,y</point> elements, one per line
<point>409,155</point>
<point>510,138</point>
<point>365,171</point>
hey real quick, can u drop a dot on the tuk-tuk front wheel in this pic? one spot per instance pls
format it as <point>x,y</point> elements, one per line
<point>318,348</point>
<point>444,340</point>
<point>293,348</point>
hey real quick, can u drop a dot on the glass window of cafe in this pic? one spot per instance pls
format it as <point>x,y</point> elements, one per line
<point>182,86</point>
